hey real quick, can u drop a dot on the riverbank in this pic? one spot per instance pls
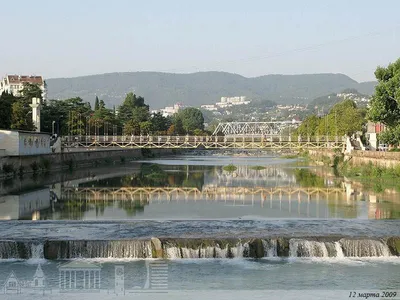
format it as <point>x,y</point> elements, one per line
<point>12,166</point>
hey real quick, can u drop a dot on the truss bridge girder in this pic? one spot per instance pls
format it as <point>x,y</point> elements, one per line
<point>254,128</point>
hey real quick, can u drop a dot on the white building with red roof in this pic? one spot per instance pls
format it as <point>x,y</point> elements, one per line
<point>13,84</point>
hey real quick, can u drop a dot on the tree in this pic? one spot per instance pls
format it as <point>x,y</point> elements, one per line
<point>96,104</point>
<point>171,130</point>
<point>145,127</point>
<point>159,123</point>
<point>391,136</point>
<point>30,91</point>
<point>344,118</point>
<point>309,127</point>
<point>131,128</point>
<point>178,127</point>
<point>191,119</point>
<point>125,110</point>
<point>385,103</point>
<point>140,114</point>
<point>6,102</point>
<point>21,119</point>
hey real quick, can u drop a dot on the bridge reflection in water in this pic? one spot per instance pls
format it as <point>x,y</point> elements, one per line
<point>286,196</point>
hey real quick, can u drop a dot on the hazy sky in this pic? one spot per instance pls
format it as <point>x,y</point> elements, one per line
<point>249,37</point>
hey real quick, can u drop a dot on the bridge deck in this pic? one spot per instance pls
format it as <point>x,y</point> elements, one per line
<point>207,142</point>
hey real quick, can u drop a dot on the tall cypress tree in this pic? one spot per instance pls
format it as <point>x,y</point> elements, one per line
<point>96,104</point>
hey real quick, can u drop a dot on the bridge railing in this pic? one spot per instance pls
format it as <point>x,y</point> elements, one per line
<point>93,139</point>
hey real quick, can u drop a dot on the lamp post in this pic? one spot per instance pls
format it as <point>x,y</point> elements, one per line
<point>52,127</point>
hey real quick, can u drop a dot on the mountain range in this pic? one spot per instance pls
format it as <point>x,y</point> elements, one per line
<point>166,89</point>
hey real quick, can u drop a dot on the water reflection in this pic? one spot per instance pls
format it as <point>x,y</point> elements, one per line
<point>198,191</point>
<point>26,205</point>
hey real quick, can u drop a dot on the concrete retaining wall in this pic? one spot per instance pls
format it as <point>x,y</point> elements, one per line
<point>78,159</point>
<point>382,159</point>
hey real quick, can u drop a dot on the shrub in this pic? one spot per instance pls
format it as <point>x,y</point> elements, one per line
<point>8,168</point>
<point>34,167</point>
<point>21,170</point>
<point>45,164</point>
<point>230,168</point>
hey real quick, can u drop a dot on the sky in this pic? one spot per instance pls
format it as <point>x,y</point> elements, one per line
<point>251,38</point>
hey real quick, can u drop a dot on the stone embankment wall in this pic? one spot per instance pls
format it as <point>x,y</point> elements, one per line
<point>378,158</point>
<point>65,160</point>
<point>357,158</point>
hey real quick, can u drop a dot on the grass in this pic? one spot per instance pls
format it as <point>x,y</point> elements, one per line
<point>230,168</point>
<point>257,168</point>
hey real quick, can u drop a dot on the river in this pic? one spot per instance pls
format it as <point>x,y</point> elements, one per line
<point>199,226</point>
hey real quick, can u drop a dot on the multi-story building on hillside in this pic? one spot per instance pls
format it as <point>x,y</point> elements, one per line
<point>169,110</point>
<point>13,84</point>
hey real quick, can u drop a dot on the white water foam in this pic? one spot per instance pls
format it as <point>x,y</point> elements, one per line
<point>173,252</point>
<point>270,248</point>
<point>339,250</point>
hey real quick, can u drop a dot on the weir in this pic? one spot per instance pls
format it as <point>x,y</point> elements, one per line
<point>201,248</point>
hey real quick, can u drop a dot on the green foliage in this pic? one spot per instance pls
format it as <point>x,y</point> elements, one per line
<point>159,123</point>
<point>6,103</point>
<point>309,127</point>
<point>385,103</point>
<point>21,171</point>
<point>308,179</point>
<point>21,118</point>
<point>391,136</point>
<point>343,119</point>
<point>96,104</point>
<point>122,159</point>
<point>257,168</point>
<point>45,164</point>
<point>145,127</point>
<point>34,167</point>
<point>30,91</point>
<point>230,168</point>
<point>8,168</point>
<point>191,119</point>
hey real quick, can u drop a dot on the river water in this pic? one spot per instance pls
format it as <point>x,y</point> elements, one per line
<point>199,226</point>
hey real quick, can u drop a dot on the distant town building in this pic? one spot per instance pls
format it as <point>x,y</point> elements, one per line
<point>13,84</point>
<point>210,107</point>
<point>169,110</point>
<point>230,101</point>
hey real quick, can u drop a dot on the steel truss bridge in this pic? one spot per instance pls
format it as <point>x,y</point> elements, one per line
<point>254,128</point>
<point>206,142</point>
<point>193,193</point>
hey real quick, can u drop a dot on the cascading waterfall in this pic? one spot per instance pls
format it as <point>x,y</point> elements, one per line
<point>241,250</point>
<point>364,248</point>
<point>172,252</point>
<point>270,248</point>
<point>207,252</point>
<point>8,249</point>
<point>339,250</point>
<point>198,248</point>
<point>221,252</point>
<point>36,251</point>
<point>305,248</point>
<point>105,249</point>
<point>190,253</point>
